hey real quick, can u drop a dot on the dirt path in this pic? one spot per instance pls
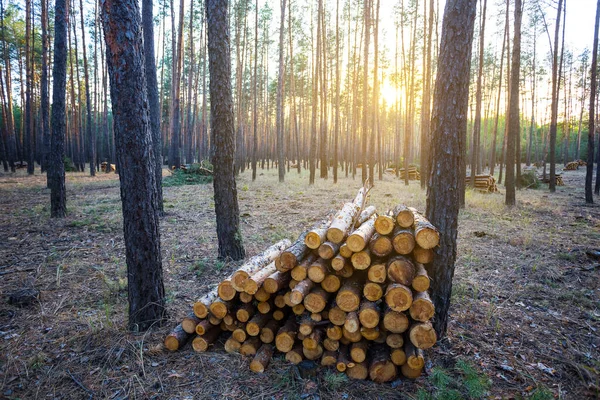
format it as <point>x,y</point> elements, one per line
<point>525,313</point>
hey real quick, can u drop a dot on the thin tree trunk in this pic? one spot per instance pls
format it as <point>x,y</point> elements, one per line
<point>336,128</point>
<point>514,129</point>
<point>365,94</point>
<point>477,124</point>
<point>44,96</point>
<point>255,95</point>
<point>279,118</point>
<point>175,152</point>
<point>589,197</point>
<point>88,103</point>
<point>28,90</point>
<point>555,94</point>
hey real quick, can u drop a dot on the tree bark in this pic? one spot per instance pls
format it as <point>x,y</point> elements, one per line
<point>449,123</point>
<point>589,197</point>
<point>222,132</point>
<point>279,120</point>
<point>477,124</point>
<point>554,105</point>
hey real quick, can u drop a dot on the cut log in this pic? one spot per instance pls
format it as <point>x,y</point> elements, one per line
<point>279,314</point>
<point>368,314</point>
<point>201,307</point>
<point>220,308</point>
<point>352,323</point>
<point>246,297</point>
<point>329,358</point>
<point>317,235</point>
<point>401,270</point>
<point>338,262</point>
<point>256,263</point>
<point>328,250</point>
<point>365,215</point>
<point>250,346</point>
<point>252,284</point>
<point>359,239</point>
<point>422,335</point>
<point>277,281</point>
<point>229,319</point>
<point>334,332</point>
<point>395,321</point>
<point>377,272</point>
<point>410,373</point>
<point>232,345</point>
<point>414,357</point>
<point>347,270</point>
<point>421,255</point>
<point>295,355</point>
<point>426,235</point>
<point>280,300</point>
<point>257,322</point>
<point>293,283</point>
<point>265,307</point>
<point>342,222</point>
<point>358,351</point>
<point>373,291</point>
<point>331,283</point>
<point>422,308</point>
<point>318,270</point>
<point>313,354</point>
<point>268,332</point>
<point>301,290</point>
<point>352,337</point>
<point>240,334</point>
<point>345,251</point>
<point>381,368</point>
<point>398,356</point>
<point>189,323</point>
<point>262,294</point>
<point>421,282</point>
<point>343,358</point>
<point>348,297</point>
<point>299,272</point>
<point>202,327</point>
<point>331,344</point>
<point>176,338</point>
<point>381,246</point>
<point>370,334</point>
<point>316,300</point>
<point>361,260</point>
<point>403,241</point>
<point>394,340</point>
<point>403,216</point>
<point>306,325</point>
<point>312,341</point>
<point>337,316</point>
<point>291,256</point>
<point>245,312</point>
<point>384,224</point>
<point>298,309</point>
<point>398,297</point>
<point>262,358</point>
<point>214,320</point>
<point>226,290</point>
<point>382,334</point>
<point>200,343</point>
<point>286,335</point>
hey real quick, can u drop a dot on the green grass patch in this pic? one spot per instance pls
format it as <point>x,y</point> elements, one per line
<point>464,383</point>
<point>182,178</point>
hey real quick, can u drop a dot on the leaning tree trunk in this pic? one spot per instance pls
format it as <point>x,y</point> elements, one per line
<point>56,170</point>
<point>153,102</point>
<point>449,124</point>
<point>222,131</point>
<point>133,139</point>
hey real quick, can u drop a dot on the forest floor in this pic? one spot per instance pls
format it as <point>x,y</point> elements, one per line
<point>524,323</point>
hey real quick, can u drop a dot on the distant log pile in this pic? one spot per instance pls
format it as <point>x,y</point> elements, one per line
<point>483,183</point>
<point>413,174</point>
<point>105,167</point>
<point>574,165</point>
<point>546,179</point>
<point>350,293</point>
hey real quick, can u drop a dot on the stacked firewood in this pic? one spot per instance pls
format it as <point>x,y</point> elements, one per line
<point>546,179</point>
<point>413,174</point>
<point>351,292</point>
<point>483,183</point>
<point>571,166</point>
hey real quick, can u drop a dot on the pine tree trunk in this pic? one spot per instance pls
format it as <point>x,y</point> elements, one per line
<point>279,118</point>
<point>589,197</point>
<point>365,94</point>
<point>554,105</point>
<point>222,131</point>
<point>450,104</point>
<point>44,99</point>
<point>477,124</point>
<point>124,54</point>
<point>88,103</point>
<point>28,90</point>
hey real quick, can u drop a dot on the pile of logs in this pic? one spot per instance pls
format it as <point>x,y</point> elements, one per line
<point>106,167</point>
<point>546,179</point>
<point>483,183</point>
<point>574,165</point>
<point>413,174</point>
<point>350,293</point>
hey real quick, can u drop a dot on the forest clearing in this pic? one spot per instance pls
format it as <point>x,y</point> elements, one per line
<point>524,318</point>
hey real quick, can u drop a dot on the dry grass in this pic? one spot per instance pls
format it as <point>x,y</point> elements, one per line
<point>525,293</point>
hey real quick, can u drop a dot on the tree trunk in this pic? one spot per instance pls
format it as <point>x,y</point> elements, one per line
<point>365,94</point>
<point>477,124</point>
<point>589,197</point>
<point>255,96</point>
<point>44,97</point>
<point>222,131</point>
<point>279,119</point>
<point>153,99</point>
<point>174,149</point>
<point>91,134</point>
<point>29,89</point>
<point>497,117</point>
<point>58,195</point>
<point>10,122</point>
<point>514,127</point>
<point>124,54</point>
<point>450,104</point>
<point>554,105</point>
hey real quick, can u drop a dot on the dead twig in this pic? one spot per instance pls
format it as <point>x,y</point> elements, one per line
<point>88,391</point>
